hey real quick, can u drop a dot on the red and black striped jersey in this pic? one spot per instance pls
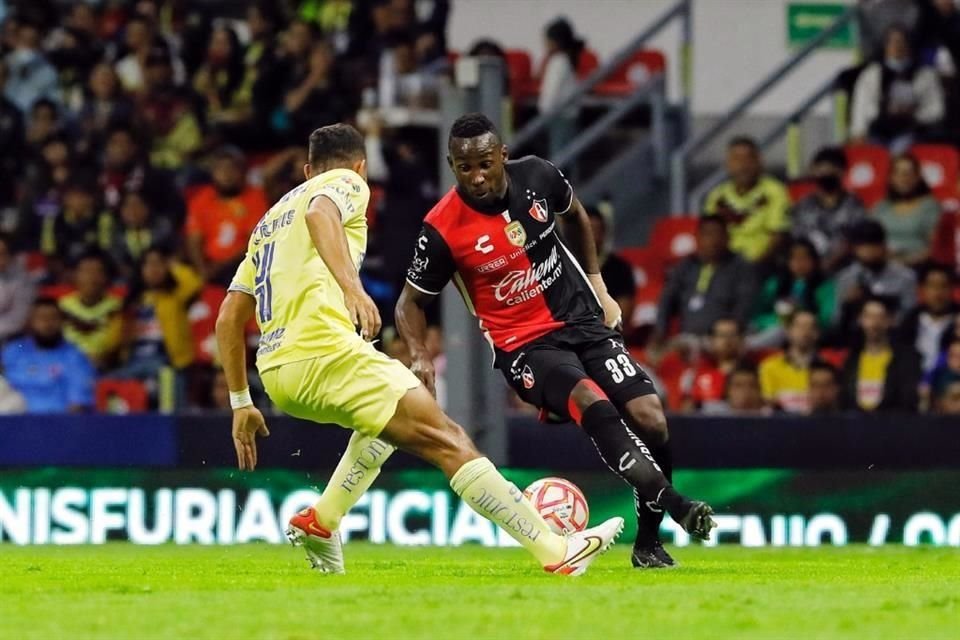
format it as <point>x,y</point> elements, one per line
<point>509,263</point>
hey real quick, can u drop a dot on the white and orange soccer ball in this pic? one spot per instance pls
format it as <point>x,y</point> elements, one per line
<point>561,503</point>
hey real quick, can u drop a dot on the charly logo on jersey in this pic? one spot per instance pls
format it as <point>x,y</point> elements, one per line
<point>519,286</point>
<point>538,211</point>
<point>483,245</point>
<point>516,234</point>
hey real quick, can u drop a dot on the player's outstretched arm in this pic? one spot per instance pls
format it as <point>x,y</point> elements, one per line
<point>326,231</point>
<point>412,326</point>
<point>235,312</point>
<point>576,228</point>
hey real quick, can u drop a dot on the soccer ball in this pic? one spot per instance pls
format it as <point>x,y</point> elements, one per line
<point>561,503</point>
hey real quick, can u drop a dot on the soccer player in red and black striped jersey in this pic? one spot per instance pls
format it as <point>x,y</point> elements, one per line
<point>545,311</point>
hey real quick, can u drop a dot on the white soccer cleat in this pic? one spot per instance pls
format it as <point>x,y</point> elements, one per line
<point>583,547</point>
<point>324,548</point>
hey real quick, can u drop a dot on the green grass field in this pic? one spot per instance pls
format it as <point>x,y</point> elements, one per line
<point>261,591</point>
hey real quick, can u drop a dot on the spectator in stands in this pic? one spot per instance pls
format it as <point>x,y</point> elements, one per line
<point>909,213</point>
<point>126,168</point>
<point>752,203</point>
<point>74,48</point>
<point>138,38</point>
<point>617,272</point>
<point>220,80</point>
<point>91,313</point>
<point>260,80</point>
<point>16,290</point>
<point>785,376</point>
<point>415,86</point>
<point>946,241</point>
<point>742,395</point>
<point>30,76</point>
<point>283,171</point>
<point>945,381</point>
<point>52,375</point>
<point>801,284</point>
<point>938,36</point>
<point>925,325</point>
<point>825,216</point>
<point>559,80</point>
<point>157,329</point>
<point>871,274</point>
<point>137,229</point>
<point>710,284</point>
<point>221,216</point>
<point>315,97</point>
<point>43,123</point>
<point>706,381</point>
<point>896,100</point>
<point>81,225</point>
<point>824,389</point>
<point>104,106</point>
<point>167,114</point>
<point>12,139</point>
<point>880,375</point>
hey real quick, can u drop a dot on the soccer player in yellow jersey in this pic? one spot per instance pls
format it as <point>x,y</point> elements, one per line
<point>300,280</point>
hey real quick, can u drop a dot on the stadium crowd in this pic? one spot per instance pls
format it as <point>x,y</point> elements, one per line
<point>141,141</point>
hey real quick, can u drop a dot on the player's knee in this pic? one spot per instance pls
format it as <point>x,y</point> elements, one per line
<point>569,391</point>
<point>586,394</point>
<point>647,417</point>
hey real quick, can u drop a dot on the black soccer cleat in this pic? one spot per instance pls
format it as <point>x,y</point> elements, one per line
<point>652,556</point>
<point>697,521</point>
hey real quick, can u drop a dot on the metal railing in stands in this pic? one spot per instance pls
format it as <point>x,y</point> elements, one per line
<point>679,200</point>
<point>789,126</point>
<point>681,10</point>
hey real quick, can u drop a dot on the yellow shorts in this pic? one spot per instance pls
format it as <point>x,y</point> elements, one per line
<point>357,387</point>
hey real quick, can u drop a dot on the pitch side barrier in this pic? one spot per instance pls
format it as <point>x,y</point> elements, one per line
<point>842,442</point>
<point>773,482</point>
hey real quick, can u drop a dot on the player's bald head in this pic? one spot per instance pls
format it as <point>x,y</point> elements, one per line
<point>473,132</point>
<point>335,146</point>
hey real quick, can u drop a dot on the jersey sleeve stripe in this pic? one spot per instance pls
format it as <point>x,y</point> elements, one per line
<point>235,286</point>
<point>421,289</point>
<point>569,204</point>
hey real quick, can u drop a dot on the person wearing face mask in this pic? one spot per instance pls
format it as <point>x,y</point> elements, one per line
<point>896,100</point>
<point>872,274</point>
<point>825,216</point>
<point>909,213</point>
<point>221,216</point>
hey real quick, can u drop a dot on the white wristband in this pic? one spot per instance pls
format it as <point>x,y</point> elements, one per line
<point>240,399</point>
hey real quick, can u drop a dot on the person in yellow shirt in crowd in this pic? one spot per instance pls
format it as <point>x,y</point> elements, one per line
<point>785,376</point>
<point>753,204</point>
<point>157,334</point>
<point>92,318</point>
<point>880,375</point>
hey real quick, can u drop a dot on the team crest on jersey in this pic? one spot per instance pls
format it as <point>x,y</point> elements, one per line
<point>516,234</point>
<point>527,377</point>
<point>539,210</point>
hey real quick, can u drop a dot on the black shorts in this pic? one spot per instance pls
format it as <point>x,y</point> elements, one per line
<point>598,352</point>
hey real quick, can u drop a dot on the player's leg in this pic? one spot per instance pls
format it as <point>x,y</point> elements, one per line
<point>622,379</point>
<point>420,427</point>
<point>359,466</point>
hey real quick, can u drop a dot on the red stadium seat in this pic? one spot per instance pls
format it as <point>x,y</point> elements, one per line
<point>648,275</point>
<point>940,164</point>
<point>520,72</point>
<point>800,188</point>
<point>633,73</point>
<point>587,63</point>
<point>203,320</point>
<point>868,166</point>
<point>674,238</point>
<point>121,396</point>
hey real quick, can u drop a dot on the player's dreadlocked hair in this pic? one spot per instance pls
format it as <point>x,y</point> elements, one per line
<point>471,125</point>
<point>333,145</point>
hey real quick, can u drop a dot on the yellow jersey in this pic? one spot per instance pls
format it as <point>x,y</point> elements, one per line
<point>871,376</point>
<point>752,217</point>
<point>785,384</point>
<point>300,308</point>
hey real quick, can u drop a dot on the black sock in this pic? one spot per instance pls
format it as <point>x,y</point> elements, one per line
<point>649,514</point>
<point>627,456</point>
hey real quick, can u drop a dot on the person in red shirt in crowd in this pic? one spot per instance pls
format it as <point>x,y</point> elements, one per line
<point>946,240</point>
<point>704,384</point>
<point>221,216</point>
